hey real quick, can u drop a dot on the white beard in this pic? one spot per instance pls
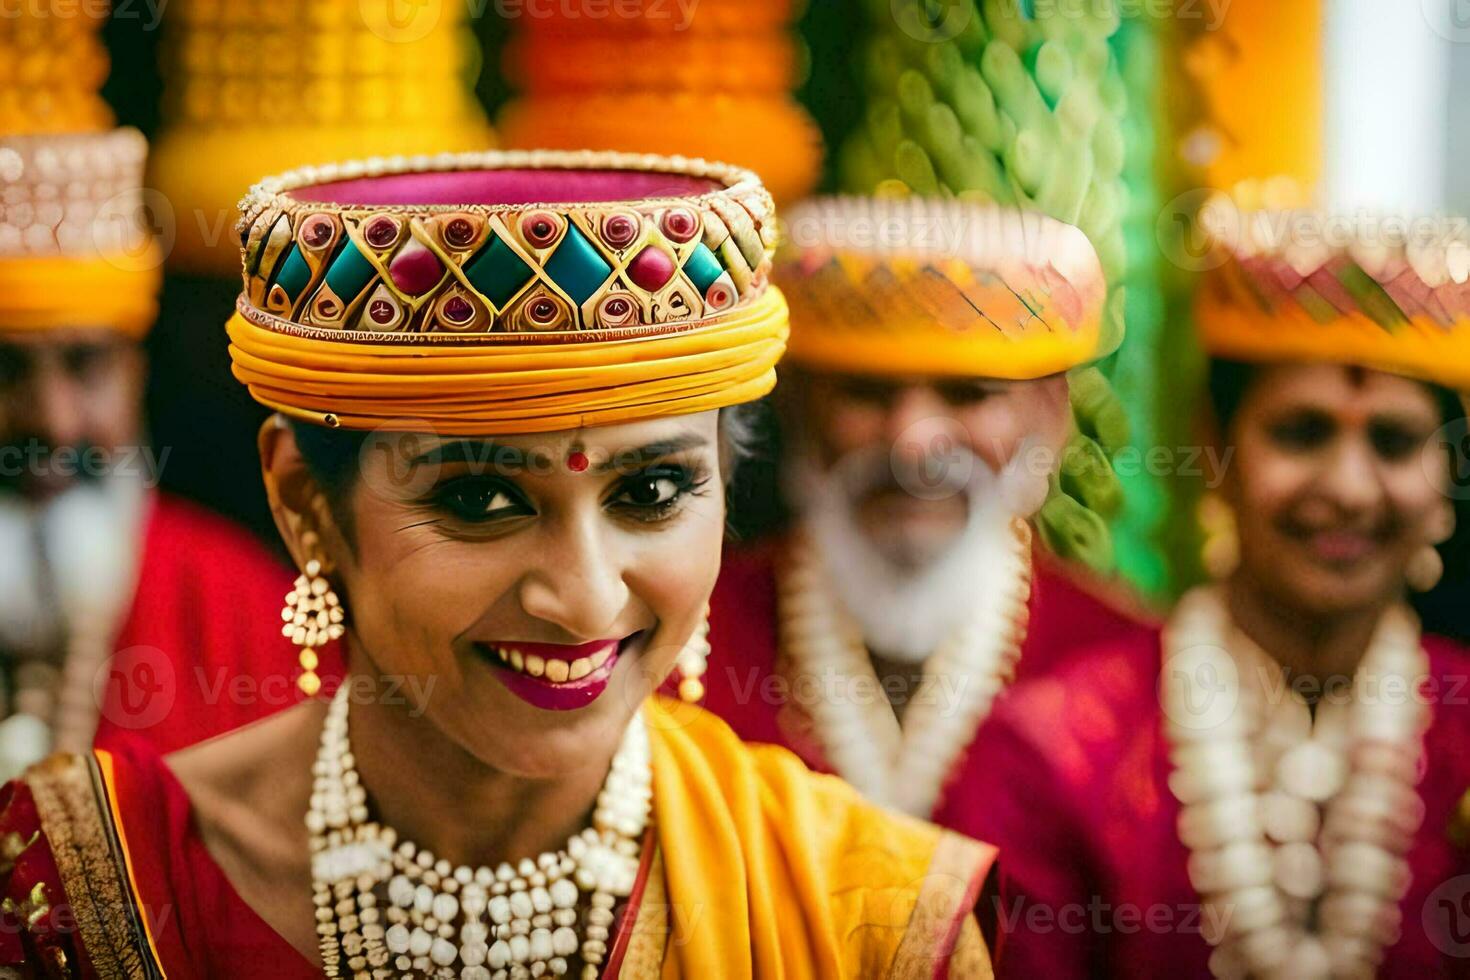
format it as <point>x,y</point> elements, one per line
<point>904,613</point>
<point>71,563</point>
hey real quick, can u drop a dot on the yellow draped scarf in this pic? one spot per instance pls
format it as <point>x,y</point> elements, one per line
<point>773,871</point>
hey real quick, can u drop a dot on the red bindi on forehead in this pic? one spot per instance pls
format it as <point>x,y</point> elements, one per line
<point>577,461</point>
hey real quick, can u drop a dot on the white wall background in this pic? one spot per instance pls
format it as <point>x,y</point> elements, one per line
<point>1397,75</point>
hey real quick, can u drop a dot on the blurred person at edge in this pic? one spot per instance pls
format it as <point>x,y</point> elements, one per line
<point>497,790</point>
<point>1273,783</point>
<point>121,608</point>
<point>925,411</point>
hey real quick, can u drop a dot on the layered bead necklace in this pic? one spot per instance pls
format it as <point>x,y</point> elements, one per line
<point>462,923</point>
<point>1297,826</point>
<point>903,766</point>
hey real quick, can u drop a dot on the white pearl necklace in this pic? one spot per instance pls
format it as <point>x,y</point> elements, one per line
<point>1297,827</point>
<point>434,923</point>
<point>901,766</point>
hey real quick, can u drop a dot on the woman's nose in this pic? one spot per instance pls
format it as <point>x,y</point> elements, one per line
<point>1352,478</point>
<point>578,584</point>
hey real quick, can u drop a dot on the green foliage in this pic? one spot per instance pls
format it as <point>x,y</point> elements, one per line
<point>1025,107</point>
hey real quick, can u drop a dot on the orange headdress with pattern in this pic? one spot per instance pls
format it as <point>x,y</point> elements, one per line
<point>510,292</point>
<point>912,286</point>
<point>1386,294</point>
<point>74,249</point>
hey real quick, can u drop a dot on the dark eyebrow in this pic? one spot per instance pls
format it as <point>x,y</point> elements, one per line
<point>476,452</point>
<point>652,451</point>
<point>1401,417</point>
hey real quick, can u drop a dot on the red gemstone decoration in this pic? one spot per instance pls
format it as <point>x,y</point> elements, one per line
<point>382,311</point>
<point>381,232</point>
<point>540,229</point>
<point>457,309</point>
<point>577,462</point>
<point>317,233</point>
<point>542,310</point>
<point>719,296</point>
<point>617,307</point>
<point>651,269</point>
<point>680,225</point>
<point>459,232</point>
<point>415,270</point>
<point>619,230</point>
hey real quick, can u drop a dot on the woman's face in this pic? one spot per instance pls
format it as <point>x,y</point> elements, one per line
<point>1338,479</point>
<point>544,584</point>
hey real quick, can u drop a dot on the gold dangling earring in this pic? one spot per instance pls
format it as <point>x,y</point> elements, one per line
<point>692,663</point>
<point>1426,567</point>
<point>1221,551</point>
<point>313,617</point>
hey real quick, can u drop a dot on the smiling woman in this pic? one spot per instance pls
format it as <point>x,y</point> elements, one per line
<point>503,431</point>
<point>1282,766</point>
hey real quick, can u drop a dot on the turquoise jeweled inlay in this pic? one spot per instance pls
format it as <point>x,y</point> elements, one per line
<point>577,267</point>
<point>497,272</point>
<point>702,267</point>
<point>350,272</point>
<point>293,273</point>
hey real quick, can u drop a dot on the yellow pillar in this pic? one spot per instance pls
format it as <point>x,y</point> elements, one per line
<point>1259,79</point>
<point>256,87</point>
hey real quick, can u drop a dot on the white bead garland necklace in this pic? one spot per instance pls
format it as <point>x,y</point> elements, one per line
<point>461,923</point>
<point>900,765</point>
<point>1297,826</point>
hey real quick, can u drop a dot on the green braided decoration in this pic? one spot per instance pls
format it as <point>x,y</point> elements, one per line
<point>1023,107</point>
<point>1159,368</point>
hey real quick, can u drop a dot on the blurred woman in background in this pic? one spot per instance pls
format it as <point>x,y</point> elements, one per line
<point>1269,786</point>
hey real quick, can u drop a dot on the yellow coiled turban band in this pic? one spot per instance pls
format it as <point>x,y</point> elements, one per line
<point>61,293</point>
<point>460,390</point>
<point>436,295</point>
<point>902,286</point>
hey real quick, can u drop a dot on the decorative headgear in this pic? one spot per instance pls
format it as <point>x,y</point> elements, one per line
<point>912,286</point>
<point>1301,285</point>
<point>261,86</point>
<point>73,249</point>
<point>507,292</point>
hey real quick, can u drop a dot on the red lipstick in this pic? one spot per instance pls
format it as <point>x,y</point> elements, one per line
<point>554,676</point>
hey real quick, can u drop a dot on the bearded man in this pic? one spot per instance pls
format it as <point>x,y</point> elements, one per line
<point>121,609</point>
<point>926,418</point>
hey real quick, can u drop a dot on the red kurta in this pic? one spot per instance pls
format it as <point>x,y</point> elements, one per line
<point>745,685</point>
<point>752,866</point>
<point>1075,795</point>
<point>176,884</point>
<point>201,651</point>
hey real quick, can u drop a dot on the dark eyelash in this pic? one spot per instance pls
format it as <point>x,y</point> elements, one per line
<point>689,481</point>
<point>442,496</point>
